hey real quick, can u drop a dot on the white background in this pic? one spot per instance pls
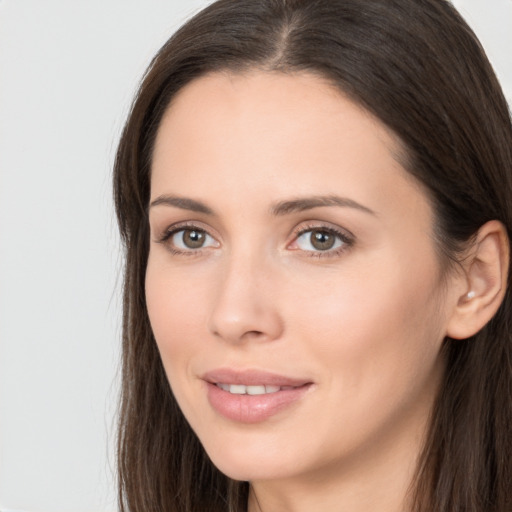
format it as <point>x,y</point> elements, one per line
<point>68,70</point>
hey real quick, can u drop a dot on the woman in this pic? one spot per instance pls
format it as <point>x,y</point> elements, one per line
<point>315,201</point>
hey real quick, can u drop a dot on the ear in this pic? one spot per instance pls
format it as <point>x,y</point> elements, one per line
<point>484,281</point>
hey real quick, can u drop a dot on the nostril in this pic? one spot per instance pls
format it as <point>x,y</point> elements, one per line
<point>253,334</point>
<point>244,335</point>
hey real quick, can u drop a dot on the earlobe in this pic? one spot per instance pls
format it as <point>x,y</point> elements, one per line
<point>485,272</point>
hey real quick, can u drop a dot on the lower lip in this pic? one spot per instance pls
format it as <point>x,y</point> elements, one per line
<point>252,408</point>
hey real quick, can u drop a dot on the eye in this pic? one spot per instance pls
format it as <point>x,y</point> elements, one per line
<point>318,240</point>
<point>188,239</point>
<point>321,240</point>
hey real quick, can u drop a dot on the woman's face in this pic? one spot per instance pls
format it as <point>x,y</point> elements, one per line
<point>293,285</point>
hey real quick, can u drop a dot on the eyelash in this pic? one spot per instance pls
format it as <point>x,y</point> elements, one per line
<point>347,240</point>
<point>170,232</point>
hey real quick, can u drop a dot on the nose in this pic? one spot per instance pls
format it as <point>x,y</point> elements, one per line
<point>245,306</point>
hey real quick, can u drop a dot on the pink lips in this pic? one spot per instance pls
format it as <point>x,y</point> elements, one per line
<point>247,408</point>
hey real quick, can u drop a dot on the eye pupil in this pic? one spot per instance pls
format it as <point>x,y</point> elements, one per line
<point>193,239</point>
<point>322,240</point>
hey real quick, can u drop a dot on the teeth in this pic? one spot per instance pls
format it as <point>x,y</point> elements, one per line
<point>240,389</point>
<point>237,389</point>
<point>256,390</point>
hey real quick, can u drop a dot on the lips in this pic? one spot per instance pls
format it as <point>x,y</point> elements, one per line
<point>252,396</point>
<point>252,378</point>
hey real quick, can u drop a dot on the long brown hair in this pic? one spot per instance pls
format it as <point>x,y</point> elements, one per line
<point>418,67</point>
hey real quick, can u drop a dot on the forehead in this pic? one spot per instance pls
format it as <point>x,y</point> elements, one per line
<point>269,135</point>
<point>265,102</point>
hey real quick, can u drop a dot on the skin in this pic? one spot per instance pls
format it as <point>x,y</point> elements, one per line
<point>364,322</point>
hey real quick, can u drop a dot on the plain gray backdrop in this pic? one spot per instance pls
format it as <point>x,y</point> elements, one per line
<point>68,71</point>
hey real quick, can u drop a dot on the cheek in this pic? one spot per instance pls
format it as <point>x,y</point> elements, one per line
<point>174,308</point>
<point>377,331</point>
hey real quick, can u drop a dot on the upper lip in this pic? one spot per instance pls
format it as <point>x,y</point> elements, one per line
<point>251,378</point>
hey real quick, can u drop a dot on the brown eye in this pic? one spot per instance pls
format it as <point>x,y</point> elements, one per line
<point>189,239</point>
<point>193,239</point>
<point>320,240</point>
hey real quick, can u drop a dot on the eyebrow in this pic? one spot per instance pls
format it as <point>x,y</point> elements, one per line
<point>182,202</point>
<point>308,203</point>
<point>279,209</point>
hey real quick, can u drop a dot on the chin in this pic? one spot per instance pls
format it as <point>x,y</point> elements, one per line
<point>250,471</point>
<point>253,460</point>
